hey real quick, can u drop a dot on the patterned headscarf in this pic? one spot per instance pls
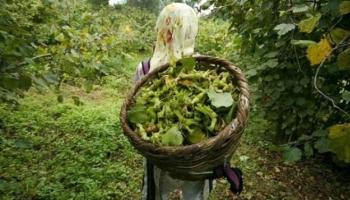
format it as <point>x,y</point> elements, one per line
<point>177,27</point>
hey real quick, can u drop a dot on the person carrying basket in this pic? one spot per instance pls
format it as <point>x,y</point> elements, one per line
<point>176,27</point>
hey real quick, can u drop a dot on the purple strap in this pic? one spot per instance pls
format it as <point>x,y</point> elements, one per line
<point>233,175</point>
<point>146,66</point>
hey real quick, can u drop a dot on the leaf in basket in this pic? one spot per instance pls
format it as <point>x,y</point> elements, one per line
<point>188,64</point>
<point>196,136</point>
<point>223,99</point>
<point>229,115</point>
<point>172,137</point>
<point>138,114</point>
<point>185,82</point>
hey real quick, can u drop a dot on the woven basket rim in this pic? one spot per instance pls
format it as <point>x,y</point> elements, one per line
<point>236,124</point>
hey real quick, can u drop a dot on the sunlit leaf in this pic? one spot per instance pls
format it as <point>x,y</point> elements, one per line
<point>272,54</point>
<point>271,63</point>
<point>282,29</point>
<point>302,43</point>
<point>339,136</point>
<point>316,53</point>
<point>60,37</point>
<point>339,130</point>
<point>220,99</point>
<point>300,8</point>
<point>346,95</point>
<point>308,25</point>
<point>344,7</point>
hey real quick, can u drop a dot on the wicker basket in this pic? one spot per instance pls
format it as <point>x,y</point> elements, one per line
<point>196,161</point>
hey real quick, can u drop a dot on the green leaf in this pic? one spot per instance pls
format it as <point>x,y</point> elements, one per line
<point>251,72</point>
<point>304,138</point>
<point>339,136</point>
<point>196,136</point>
<point>308,25</point>
<point>271,63</point>
<point>220,99</point>
<point>23,144</point>
<point>322,145</point>
<point>332,6</point>
<point>282,29</point>
<point>344,7</point>
<point>338,34</point>
<point>319,133</point>
<point>272,54</point>
<point>60,98</point>
<point>138,114</point>
<point>77,101</point>
<point>292,154</point>
<point>172,137</point>
<point>229,116</point>
<point>300,8</point>
<point>346,96</point>
<point>308,150</point>
<point>51,78</point>
<point>60,37</point>
<point>302,43</point>
<point>343,60</point>
<point>188,64</point>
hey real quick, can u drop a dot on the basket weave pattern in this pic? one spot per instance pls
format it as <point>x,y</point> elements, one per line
<point>196,161</point>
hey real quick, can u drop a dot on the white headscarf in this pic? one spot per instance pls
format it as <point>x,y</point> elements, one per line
<point>176,27</point>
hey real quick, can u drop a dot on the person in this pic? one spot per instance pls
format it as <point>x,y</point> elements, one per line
<point>176,27</point>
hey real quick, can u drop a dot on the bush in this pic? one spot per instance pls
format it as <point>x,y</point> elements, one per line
<point>47,43</point>
<point>284,44</point>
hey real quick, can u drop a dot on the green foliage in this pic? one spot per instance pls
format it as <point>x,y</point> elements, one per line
<point>339,136</point>
<point>172,137</point>
<point>64,151</point>
<point>215,39</point>
<point>47,43</point>
<point>292,154</point>
<point>150,5</point>
<point>275,60</point>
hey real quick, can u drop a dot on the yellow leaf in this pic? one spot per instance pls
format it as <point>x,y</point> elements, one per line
<point>338,130</point>
<point>308,25</point>
<point>316,53</point>
<point>127,29</point>
<point>344,7</point>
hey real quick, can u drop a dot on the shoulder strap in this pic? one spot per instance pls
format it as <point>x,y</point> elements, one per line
<point>146,65</point>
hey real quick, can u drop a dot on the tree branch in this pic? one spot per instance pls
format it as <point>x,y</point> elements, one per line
<point>33,59</point>
<point>316,76</point>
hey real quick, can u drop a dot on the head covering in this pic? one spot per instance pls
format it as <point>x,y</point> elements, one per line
<point>176,27</point>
